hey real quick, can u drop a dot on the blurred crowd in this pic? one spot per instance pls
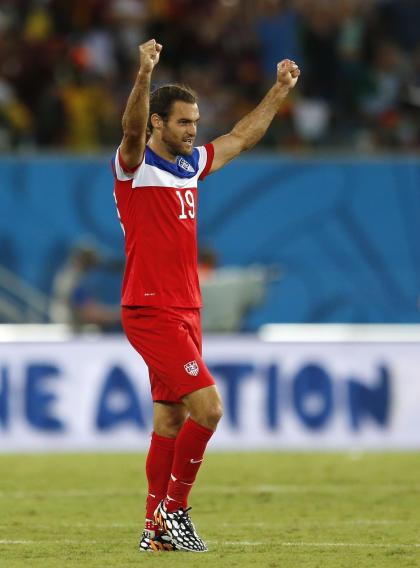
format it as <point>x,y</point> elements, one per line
<point>67,67</point>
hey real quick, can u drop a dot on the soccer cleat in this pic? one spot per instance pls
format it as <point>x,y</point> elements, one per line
<point>180,528</point>
<point>151,543</point>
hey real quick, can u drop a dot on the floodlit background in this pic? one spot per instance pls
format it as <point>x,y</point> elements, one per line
<point>319,224</point>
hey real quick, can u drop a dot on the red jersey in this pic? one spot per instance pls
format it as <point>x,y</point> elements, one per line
<point>157,207</point>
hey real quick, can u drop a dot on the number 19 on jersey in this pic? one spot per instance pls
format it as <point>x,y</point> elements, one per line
<point>187,204</point>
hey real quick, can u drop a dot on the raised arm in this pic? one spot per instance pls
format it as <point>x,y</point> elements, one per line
<point>252,127</point>
<point>134,121</point>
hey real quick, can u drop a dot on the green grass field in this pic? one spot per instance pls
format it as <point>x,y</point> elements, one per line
<point>253,509</point>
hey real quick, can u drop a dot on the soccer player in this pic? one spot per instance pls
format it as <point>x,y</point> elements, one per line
<point>156,169</point>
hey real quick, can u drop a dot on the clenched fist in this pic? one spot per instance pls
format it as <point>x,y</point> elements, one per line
<point>149,55</point>
<point>287,73</point>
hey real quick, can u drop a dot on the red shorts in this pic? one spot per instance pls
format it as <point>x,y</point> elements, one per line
<point>169,340</point>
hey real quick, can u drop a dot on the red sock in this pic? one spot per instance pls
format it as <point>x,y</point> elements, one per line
<point>189,450</point>
<point>158,471</point>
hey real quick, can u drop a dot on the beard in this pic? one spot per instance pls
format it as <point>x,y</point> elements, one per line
<point>177,147</point>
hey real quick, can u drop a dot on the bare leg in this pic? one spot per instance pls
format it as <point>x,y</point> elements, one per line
<point>168,418</point>
<point>205,406</point>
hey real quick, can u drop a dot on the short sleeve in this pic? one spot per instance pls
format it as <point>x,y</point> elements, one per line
<point>205,161</point>
<point>121,171</point>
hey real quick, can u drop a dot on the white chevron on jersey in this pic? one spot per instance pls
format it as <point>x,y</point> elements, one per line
<point>148,175</point>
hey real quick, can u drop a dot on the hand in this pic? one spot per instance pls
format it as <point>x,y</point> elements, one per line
<point>149,55</point>
<point>287,74</point>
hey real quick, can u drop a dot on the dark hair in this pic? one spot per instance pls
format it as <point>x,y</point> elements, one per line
<point>162,99</point>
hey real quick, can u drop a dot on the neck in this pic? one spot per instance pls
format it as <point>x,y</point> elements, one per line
<point>161,150</point>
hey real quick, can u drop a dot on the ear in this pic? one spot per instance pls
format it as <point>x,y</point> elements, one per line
<point>156,121</point>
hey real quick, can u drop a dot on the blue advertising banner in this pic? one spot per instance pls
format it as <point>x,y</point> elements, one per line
<point>93,394</point>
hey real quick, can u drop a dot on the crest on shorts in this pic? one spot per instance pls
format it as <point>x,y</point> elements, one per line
<point>192,368</point>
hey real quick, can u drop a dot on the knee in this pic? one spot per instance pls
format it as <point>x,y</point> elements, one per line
<point>170,428</point>
<point>205,407</point>
<point>215,413</point>
<point>210,414</point>
<point>169,419</point>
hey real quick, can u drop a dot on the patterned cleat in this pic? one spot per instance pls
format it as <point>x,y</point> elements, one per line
<point>151,543</point>
<point>180,528</point>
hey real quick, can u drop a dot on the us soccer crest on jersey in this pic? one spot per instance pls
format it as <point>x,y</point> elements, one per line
<point>157,207</point>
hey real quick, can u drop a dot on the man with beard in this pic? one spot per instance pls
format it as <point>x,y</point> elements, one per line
<point>156,171</point>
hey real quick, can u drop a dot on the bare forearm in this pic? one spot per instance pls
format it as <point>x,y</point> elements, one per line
<point>136,112</point>
<point>252,127</point>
